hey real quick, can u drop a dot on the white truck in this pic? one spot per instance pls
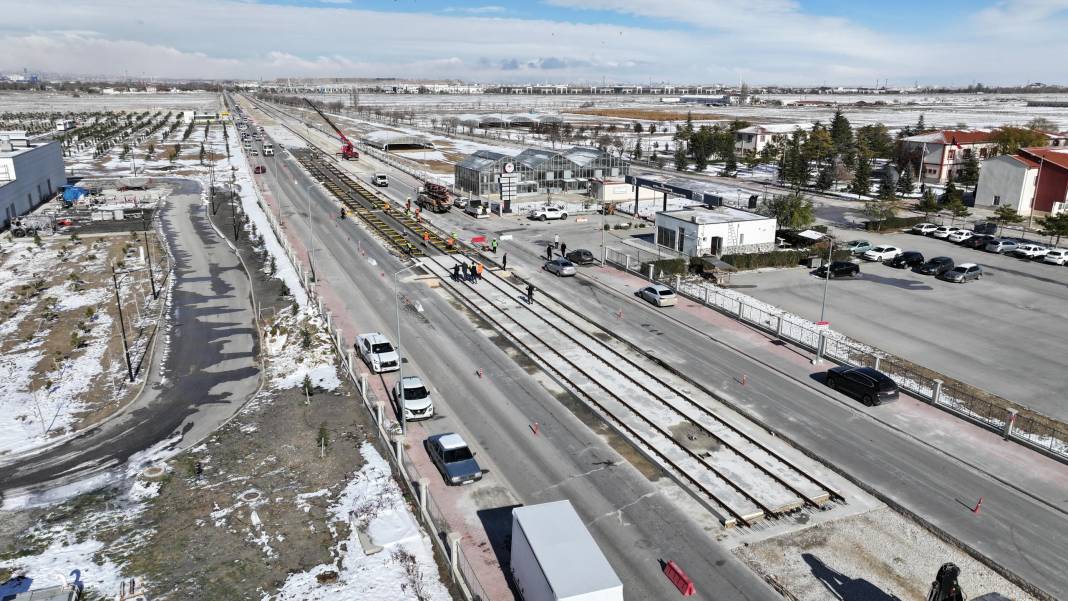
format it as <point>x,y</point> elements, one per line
<point>377,351</point>
<point>545,212</point>
<point>476,208</point>
<point>554,558</point>
<point>268,150</point>
<point>381,180</point>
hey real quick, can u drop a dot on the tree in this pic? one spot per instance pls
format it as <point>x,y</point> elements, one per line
<point>1006,215</point>
<point>957,209</point>
<point>795,165</point>
<point>928,204</point>
<point>682,161</point>
<point>968,175</point>
<point>791,211</point>
<point>637,153</point>
<point>730,166</point>
<point>1054,226</point>
<point>1011,139</point>
<point>905,184</point>
<point>825,179</point>
<point>879,210</point>
<point>841,131</point>
<point>920,125</point>
<point>861,185</point>
<point>887,190</point>
<point>1041,124</point>
<point>951,194</point>
<point>638,127</point>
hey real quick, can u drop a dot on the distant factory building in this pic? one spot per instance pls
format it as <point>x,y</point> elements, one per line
<point>30,174</point>
<point>539,169</point>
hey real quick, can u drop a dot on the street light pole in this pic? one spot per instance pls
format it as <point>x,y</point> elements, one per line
<point>826,286</point>
<point>151,274</point>
<point>400,360</point>
<point>310,223</point>
<point>122,323</point>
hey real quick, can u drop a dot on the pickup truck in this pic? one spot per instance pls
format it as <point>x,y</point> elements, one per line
<point>547,212</point>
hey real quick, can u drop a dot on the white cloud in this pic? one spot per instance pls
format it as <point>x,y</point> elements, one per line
<point>476,10</point>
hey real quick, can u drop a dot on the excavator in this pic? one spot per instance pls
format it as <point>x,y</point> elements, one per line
<point>348,151</point>
<point>945,587</point>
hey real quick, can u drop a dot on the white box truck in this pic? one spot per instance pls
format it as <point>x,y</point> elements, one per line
<point>554,558</point>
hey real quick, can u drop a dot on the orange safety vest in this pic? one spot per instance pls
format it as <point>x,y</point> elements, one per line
<point>478,268</point>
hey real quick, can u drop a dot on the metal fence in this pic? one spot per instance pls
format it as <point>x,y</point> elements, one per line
<point>946,393</point>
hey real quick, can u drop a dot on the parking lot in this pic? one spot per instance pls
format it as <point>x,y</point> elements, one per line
<point>996,333</point>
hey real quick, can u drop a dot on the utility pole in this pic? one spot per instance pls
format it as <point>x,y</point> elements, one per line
<point>151,274</point>
<point>122,323</point>
<point>233,211</point>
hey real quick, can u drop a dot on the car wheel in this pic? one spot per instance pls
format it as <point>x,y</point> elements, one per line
<point>979,276</point>
<point>832,383</point>
<point>855,274</point>
<point>563,216</point>
<point>867,400</point>
<point>542,218</point>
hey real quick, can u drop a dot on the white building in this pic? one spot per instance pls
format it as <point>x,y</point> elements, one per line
<point>755,137</point>
<point>945,152</point>
<point>1007,180</point>
<point>617,191</point>
<point>30,174</point>
<point>716,231</point>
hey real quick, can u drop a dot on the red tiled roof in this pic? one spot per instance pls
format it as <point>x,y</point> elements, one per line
<point>962,136</point>
<point>1055,156</point>
<point>1031,163</point>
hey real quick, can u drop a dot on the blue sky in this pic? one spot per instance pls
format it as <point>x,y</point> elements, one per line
<point>684,41</point>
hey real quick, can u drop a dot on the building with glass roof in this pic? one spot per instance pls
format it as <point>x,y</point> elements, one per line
<point>539,169</point>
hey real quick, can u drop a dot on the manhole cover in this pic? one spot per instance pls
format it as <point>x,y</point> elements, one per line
<point>250,496</point>
<point>153,472</point>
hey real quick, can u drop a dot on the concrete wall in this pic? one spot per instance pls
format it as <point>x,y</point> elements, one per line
<point>1004,181</point>
<point>38,175</point>
<point>1052,186</point>
<point>619,192</point>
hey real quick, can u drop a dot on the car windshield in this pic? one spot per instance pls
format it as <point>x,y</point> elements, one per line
<point>382,347</point>
<point>456,455</point>
<point>415,393</point>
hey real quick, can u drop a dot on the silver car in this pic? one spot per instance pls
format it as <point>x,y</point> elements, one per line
<point>1001,246</point>
<point>560,266</point>
<point>659,295</point>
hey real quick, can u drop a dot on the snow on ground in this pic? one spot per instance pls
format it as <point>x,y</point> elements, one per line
<point>404,570</point>
<point>421,155</point>
<point>289,363</point>
<point>282,135</point>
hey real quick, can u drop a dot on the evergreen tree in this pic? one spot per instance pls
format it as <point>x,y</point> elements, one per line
<point>1054,226</point>
<point>682,161</point>
<point>957,209</point>
<point>969,171</point>
<point>951,194</point>
<point>928,204</point>
<point>861,185</point>
<point>795,165</point>
<point>637,127</point>
<point>638,149</point>
<point>905,184</point>
<point>825,180</point>
<point>730,167</point>
<point>886,186</point>
<point>791,211</point>
<point>841,131</point>
<point>1006,215</point>
<point>920,125</point>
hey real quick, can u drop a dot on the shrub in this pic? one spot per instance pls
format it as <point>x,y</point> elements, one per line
<point>780,258</point>
<point>667,266</point>
<point>893,223</point>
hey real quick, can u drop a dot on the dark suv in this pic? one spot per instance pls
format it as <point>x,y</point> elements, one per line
<point>909,258</point>
<point>871,386</point>
<point>839,269</point>
<point>936,266</point>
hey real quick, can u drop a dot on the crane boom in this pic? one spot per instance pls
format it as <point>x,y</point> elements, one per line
<point>348,151</point>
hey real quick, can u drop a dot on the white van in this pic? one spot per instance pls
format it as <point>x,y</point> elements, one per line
<point>377,351</point>
<point>381,180</point>
<point>268,150</point>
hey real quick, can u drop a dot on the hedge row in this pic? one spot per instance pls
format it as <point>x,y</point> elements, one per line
<point>893,223</point>
<point>667,266</point>
<point>779,258</point>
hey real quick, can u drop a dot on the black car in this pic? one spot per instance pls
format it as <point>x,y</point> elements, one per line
<point>581,257</point>
<point>987,228</point>
<point>871,386</point>
<point>936,266</point>
<point>839,269</point>
<point>909,258</point>
<point>977,241</point>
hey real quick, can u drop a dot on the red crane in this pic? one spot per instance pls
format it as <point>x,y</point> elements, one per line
<point>348,151</point>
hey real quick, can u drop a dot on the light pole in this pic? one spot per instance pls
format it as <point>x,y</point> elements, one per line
<point>310,223</point>
<point>400,360</point>
<point>826,286</point>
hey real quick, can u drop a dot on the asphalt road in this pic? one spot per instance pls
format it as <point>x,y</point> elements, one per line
<point>632,520</point>
<point>1011,322</point>
<point>211,365</point>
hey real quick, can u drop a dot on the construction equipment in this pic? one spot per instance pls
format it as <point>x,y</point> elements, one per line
<point>348,151</point>
<point>945,587</point>
<point>435,198</point>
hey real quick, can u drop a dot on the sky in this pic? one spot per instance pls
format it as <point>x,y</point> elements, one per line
<point>786,42</point>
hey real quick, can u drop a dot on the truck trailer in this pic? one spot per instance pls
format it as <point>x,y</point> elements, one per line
<point>554,558</point>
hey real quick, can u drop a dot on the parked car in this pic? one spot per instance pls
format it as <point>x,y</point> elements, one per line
<point>944,231</point>
<point>871,386</point>
<point>378,352</point>
<point>881,253</point>
<point>581,257</point>
<point>936,266</point>
<point>960,236</point>
<point>909,258</point>
<point>839,269</point>
<point>259,169</point>
<point>381,180</point>
<point>977,241</point>
<point>417,403</point>
<point>857,246</point>
<point>559,266</point>
<point>547,212</point>
<point>1030,251</point>
<point>988,228</point>
<point>453,458</point>
<point>1056,256</point>
<point>659,295</point>
<point>962,273</point>
<point>924,229</point>
<point>1000,245</point>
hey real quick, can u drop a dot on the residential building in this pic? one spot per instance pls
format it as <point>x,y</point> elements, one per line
<point>701,231</point>
<point>755,137</point>
<point>1051,187</point>
<point>30,174</point>
<point>1034,181</point>
<point>943,152</point>
<point>539,169</point>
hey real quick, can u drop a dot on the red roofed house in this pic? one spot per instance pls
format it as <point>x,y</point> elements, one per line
<point>944,152</point>
<point>1034,181</point>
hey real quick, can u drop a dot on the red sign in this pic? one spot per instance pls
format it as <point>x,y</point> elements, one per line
<point>679,579</point>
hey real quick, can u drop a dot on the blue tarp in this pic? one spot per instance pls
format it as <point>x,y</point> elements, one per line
<point>73,193</point>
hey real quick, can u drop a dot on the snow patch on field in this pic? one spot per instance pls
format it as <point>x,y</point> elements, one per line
<point>404,570</point>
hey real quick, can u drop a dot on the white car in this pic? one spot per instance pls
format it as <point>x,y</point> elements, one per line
<point>1056,256</point>
<point>960,236</point>
<point>1031,251</point>
<point>659,295</point>
<point>377,352</point>
<point>547,212</point>
<point>924,229</point>
<point>881,253</point>
<point>944,231</point>
<point>418,403</point>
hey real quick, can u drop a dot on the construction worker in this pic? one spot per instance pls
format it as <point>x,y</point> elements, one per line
<point>493,246</point>
<point>426,238</point>
<point>530,294</point>
<point>563,249</point>
<point>411,247</point>
<point>449,242</point>
<point>417,210</point>
<point>407,204</point>
<point>504,261</point>
<point>478,271</point>
<point>456,272</point>
<point>342,216</point>
<point>467,271</point>
<point>556,241</point>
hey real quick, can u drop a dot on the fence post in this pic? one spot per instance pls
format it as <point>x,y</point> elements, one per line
<point>878,360</point>
<point>936,396</point>
<point>454,554</point>
<point>398,450</point>
<point>678,280</point>
<point>778,327</point>
<point>821,345</point>
<point>363,385</point>
<point>705,288</point>
<point>651,267</point>
<point>626,266</point>
<point>340,340</point>
<point>420,486</point>
<point>350,356</point>
<point>1010,423</point>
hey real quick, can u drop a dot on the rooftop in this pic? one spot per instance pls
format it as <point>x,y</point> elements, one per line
<point>451,441</point>
<point>706,216</point>
<point>954,136</point>
<point>1057,156</point>
<point>774,128</point>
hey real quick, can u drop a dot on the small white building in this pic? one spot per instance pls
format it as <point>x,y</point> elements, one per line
<point>755,137</point>
<point>608,190</point>
<point>716,231</point>
<point>64,124</point>
<point>30,174</point>
<point>1007,180</point>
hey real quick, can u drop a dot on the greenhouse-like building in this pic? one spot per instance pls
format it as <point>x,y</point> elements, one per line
<point>539,169</point>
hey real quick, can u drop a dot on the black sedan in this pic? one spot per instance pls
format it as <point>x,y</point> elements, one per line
<point>977,241</point>
<point>909,258</point>
<point>936,266</point>
<point>839,269</point>
<point>581,257</point>
<point>871,386</point>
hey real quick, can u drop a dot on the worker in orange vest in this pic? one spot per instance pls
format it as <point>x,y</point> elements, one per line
<point>426,238</point>
<point>417,210</point>
<point>449,243</point>
<point>478,271</point>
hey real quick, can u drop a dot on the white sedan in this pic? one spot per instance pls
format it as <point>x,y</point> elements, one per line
<point>960,236</point>
<point>924,229</point>
<point>944,231</point>
<point>659,295</point>
<point>882,253</point>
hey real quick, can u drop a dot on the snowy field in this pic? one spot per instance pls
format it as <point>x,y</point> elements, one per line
<point>65,103</point>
